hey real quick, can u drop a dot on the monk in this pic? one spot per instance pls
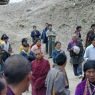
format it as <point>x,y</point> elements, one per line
<point>40,68</point>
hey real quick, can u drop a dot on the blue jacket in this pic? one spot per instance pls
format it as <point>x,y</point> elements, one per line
<point>55,53</point>
<point>43,37</point>
<point>35,35</point>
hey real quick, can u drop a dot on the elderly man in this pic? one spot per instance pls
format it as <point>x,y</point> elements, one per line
<point>17,74</point>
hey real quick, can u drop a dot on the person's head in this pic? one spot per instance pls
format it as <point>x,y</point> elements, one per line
<point>58,45</point>
<point>17,72</point>
<point>34,27</point>
<point>78,28</point>
<point>3,86</point>
<point>4,37</point>
<point>46,24</point>
<point>93,26</point>
<point>24,40</point>
<point>61,59</point>
<point>89,70</point>
<point>74,37</point>
<point>50,26</point>
<point>93,40</point>
<point>38,42</point>
<point>39,54</point>
<point>26,46</point>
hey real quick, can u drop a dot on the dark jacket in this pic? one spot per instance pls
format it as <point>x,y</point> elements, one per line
<point>55,53</point>
<point>43,36</point>
<point>76,58</point>
<point>35,35</point>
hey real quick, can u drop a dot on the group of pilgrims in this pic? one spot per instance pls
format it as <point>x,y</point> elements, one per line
<point>31,66</point>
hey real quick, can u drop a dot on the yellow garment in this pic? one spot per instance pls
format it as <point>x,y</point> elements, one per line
<point>20,48</point>
<point>1,42</point>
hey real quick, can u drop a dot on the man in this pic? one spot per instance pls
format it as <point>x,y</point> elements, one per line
<point>57,81</point>
<point>90,35</point>
<point>40,68</point>
<point>35,34</point>
<point>17,73</point>
<point>75,48</point>
<point>44,37</point>
<point>51,40</point>
<point>78,30</point>
<point>90,51</point>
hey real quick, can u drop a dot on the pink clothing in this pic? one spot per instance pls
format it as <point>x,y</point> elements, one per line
<point>35,47</point>
<point>40,69</point>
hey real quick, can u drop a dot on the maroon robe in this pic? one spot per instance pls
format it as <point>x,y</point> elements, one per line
<point>40,69</point>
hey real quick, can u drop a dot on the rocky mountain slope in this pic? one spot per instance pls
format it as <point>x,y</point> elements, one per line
<point>17,19</point>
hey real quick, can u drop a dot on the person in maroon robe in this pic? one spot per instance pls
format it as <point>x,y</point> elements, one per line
<point>40,68</point>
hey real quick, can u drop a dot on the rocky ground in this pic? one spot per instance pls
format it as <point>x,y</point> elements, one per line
<point>16,20</point>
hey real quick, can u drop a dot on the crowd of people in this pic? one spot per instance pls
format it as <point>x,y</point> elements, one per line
<point>18,71</point>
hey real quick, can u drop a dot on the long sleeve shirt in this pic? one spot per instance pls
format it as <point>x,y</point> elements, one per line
<point>89,53</point>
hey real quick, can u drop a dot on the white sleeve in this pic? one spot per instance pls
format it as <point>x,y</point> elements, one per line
<point>86,54</point>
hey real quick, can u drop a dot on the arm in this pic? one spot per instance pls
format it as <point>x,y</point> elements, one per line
<point>54,55</point>
<point>86,54</point>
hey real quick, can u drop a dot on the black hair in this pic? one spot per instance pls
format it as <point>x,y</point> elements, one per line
<point>50,25</point>
<point>78,27</point>
<point>4,36</point>
<point>61,59</point>
<point>34,26</point>
<point>24,40</point>
<point>57,42</point>
<point>90,64</point>
<point>16,69</point>
<point>25,44</point>
<point>93,25</point>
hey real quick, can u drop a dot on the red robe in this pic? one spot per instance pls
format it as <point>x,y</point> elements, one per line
<point>40,69</point>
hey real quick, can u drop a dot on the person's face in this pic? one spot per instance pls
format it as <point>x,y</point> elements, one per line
<point>26,49</point>
<point>93,28</point>
<point>38,43</point>
<point>50,27</point>
<point>26,82</point>
<point>34,28</point>
<point>46,24</point>
<point>93,42</point>
<point>90,74</point>
<point>39,54</point>
<point>4,91</point>
<point>58,46</point>
<point>74,38</point>
<point>79,29</point>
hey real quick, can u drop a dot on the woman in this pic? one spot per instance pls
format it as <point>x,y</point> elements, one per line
<point>87,86</point>
<point>57,50</point>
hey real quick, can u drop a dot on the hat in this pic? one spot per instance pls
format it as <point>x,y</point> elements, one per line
<point>90,64</point>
